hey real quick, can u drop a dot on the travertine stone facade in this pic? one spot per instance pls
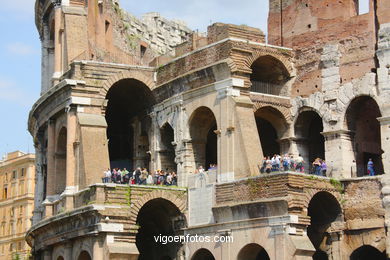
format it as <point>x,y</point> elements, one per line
<point>17,179</point>
<point>226,98</point>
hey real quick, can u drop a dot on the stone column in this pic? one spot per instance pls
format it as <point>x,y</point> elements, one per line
<point>68,252</point>
<point>71,185</point>
<point>301,146</point>
<point>51,144</point>
<point>57,42</point>
<point>98,245</point>
<point>339,154</point>
<point>385,138</point>
<point>39,183</point>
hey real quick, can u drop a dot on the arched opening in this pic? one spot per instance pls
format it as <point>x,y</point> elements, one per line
<point>311,143</point>
<point>253,252</point>
<point>323,210</point>
<point>367,252</point>
<point>320,255</point>
<point>269,76</point>
<point>84,255</point>
<point>167,150</point>
<point>60,161</point>
<point>158,219</point>
<point>60,258</point>
<point>361,119</point>
<point>129,103</point>
<point>204,139</point>
<point>203,254</point>
<point>271,126</point>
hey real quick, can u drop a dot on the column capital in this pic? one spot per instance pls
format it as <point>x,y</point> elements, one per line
<point>56,3</point>
<point>385,120</point>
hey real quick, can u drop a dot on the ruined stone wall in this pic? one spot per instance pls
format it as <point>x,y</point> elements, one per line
<point>311,28</point>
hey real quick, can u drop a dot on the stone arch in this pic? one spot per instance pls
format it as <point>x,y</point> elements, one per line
<point>60,160</point>
<point>129,123</point>
<point>84,255</point>
<point>274,54</point>
<point>167,148</point>
<point>354,98</point>
<point>308,128</point>
<point>368,252</point>
<point>253,252</point>
<point>82,245</point>
<point>128,74</point>
<point>159,217</point>
<point>360,119</point>
<point>284,111</point>
<point>323,209</point>
<point>202,125</point>
<point>179,201</point>
<point>203,254</point>
<point>310,193</point>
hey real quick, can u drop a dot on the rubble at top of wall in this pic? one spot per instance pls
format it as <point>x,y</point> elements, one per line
<point>159,33</point>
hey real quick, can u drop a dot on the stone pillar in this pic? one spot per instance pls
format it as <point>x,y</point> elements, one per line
<point>285,146</point>
<point>301,146</point>
<point>57,42</point>
<point>39,183</point>
<point>385,138</point>
<point>47,255</point>
<point>71,185</point>
<point>339,154</point>
<point>98,245</point>
<point>68,252</point>
<point>51,144</point>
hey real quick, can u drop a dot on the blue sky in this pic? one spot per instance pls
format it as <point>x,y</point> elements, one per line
<point>20,51</point>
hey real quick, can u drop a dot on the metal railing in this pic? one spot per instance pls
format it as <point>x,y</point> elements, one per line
<point>266,88</point>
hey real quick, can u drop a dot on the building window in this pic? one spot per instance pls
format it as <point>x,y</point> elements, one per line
<point>14,174</point>
<point>143,50</point>
<point>5,192</point>
<point>13,190</point>
<point>107,26</point>
<point>22,172</point>
<point>362,6</point>
<point>21,188</point>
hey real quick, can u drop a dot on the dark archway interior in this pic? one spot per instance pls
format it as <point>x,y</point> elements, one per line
<point>84,256</point>
<point>167,149</point>
<point>60,161</point>
<point>320,255</point>
<point>361,118</point>
<point>204,140</point>
<point>211,147</point>
<point>308,127</point>
<point>268,75</point>
<point>129,102</point>
<point>367,253</point>
<point>158,217</point>
<point>203,254</point>
<point>323,210</point>
<point>253,252</point>
<point>268,137</point>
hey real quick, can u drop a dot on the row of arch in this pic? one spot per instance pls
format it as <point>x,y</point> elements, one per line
<point>84,255</point>
<point>361,124</point>
<point>128,132</point>
<point>249,252</point>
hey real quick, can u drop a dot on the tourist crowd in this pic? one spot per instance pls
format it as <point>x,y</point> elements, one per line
<point>140,176</point>
<point>277,163</point>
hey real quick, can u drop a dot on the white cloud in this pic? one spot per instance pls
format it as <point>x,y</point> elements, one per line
<point>9,92</point>
<point>21,49</point>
